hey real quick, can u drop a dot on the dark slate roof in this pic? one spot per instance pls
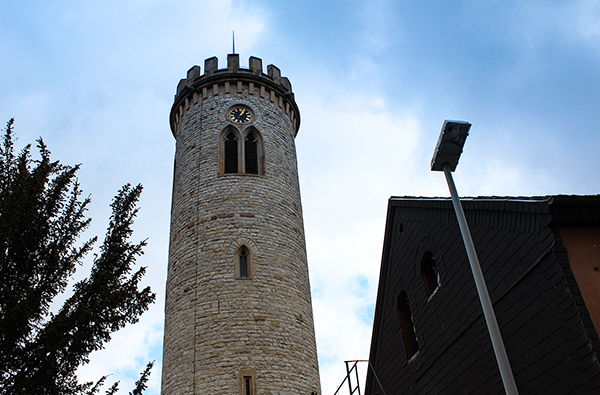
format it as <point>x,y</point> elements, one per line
<point>566,210</point>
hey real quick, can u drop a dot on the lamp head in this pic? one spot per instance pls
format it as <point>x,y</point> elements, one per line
<point>450,144</point>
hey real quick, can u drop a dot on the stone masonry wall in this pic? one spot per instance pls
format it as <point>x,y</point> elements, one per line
<point>217,325</point>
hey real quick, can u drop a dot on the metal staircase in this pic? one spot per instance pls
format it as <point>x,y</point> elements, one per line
<point>355,388</point>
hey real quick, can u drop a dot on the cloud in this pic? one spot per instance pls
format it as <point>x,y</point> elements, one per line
<point>97,83</point>
<point>373,82</point>
<point>354,153</point>
<point>127,354</point>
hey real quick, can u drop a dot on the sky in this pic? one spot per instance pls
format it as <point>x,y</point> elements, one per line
<point>374,81</point>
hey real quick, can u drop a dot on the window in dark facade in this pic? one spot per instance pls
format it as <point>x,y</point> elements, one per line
<point>231,153</point>
<point>429,273</point>
<point>407,327</point>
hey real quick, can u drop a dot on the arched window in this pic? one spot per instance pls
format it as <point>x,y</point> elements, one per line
<point>243,263</point>
<point>407,327</point>
<point>231,153</point>
<point>241,153</point>
<point>429,273</point>
<point>251,153</point>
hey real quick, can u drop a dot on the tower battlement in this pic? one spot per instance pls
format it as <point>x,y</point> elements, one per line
<point>250,82</point>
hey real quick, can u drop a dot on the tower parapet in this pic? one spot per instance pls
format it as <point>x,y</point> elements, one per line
<point>271,87</point>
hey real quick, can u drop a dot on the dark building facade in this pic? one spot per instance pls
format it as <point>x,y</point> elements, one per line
<point>541,260</point>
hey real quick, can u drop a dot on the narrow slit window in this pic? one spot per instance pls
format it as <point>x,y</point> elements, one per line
<point>251,153</point>
<point>429,273</point>
<point>248,385</point>
<point>231,153</point>
<point>407,327</point>
<point>247,382</point>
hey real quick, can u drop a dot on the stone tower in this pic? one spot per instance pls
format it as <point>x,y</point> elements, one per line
<point>238,314</point>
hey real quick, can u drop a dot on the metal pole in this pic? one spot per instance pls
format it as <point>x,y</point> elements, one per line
<point>357,381</point>
<point>349,378</point>
<point>488,310</point>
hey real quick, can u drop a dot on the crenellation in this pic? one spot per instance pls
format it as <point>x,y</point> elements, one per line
<point>182,84</point>
<point>193,73</point>
<point>255,65</point>
<point>255,68</point>
<point>211,65</point>
<point>274,72</point>
<point>233,62</point>
<point>287,85</point>
<point>196,83</point>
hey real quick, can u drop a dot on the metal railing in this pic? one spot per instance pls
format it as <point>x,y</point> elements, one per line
<point>356,388</point>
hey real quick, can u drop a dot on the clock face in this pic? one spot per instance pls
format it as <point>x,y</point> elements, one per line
<point>240,114</point>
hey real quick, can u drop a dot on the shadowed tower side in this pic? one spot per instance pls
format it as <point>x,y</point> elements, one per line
<point>238,313</point>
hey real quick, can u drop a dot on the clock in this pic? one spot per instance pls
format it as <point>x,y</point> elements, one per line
<point>240,114</point>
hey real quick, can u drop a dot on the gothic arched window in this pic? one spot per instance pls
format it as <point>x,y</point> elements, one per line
<point>429,273</point>
<point>243,263</point>
<point>230,161</point>
<point>241,153</point>
<point>251,153</point>
<point>406,326</point>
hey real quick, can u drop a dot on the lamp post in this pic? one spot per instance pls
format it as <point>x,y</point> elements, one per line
<point>445,158</point>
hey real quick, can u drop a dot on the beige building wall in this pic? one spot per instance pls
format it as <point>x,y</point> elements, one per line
<point>222,330</point>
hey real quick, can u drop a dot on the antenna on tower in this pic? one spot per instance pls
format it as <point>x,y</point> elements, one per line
<point>233,33</point>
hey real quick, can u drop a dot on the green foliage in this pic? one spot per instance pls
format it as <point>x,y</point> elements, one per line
<point>140,385</point>
<point>42,217</point>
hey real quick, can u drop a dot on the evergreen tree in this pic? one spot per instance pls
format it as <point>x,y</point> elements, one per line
<point>42,216</point>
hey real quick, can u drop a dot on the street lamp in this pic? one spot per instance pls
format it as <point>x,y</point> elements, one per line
<point>445,158</point>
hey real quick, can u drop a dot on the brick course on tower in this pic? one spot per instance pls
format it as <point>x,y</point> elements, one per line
<point>238,314</point>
